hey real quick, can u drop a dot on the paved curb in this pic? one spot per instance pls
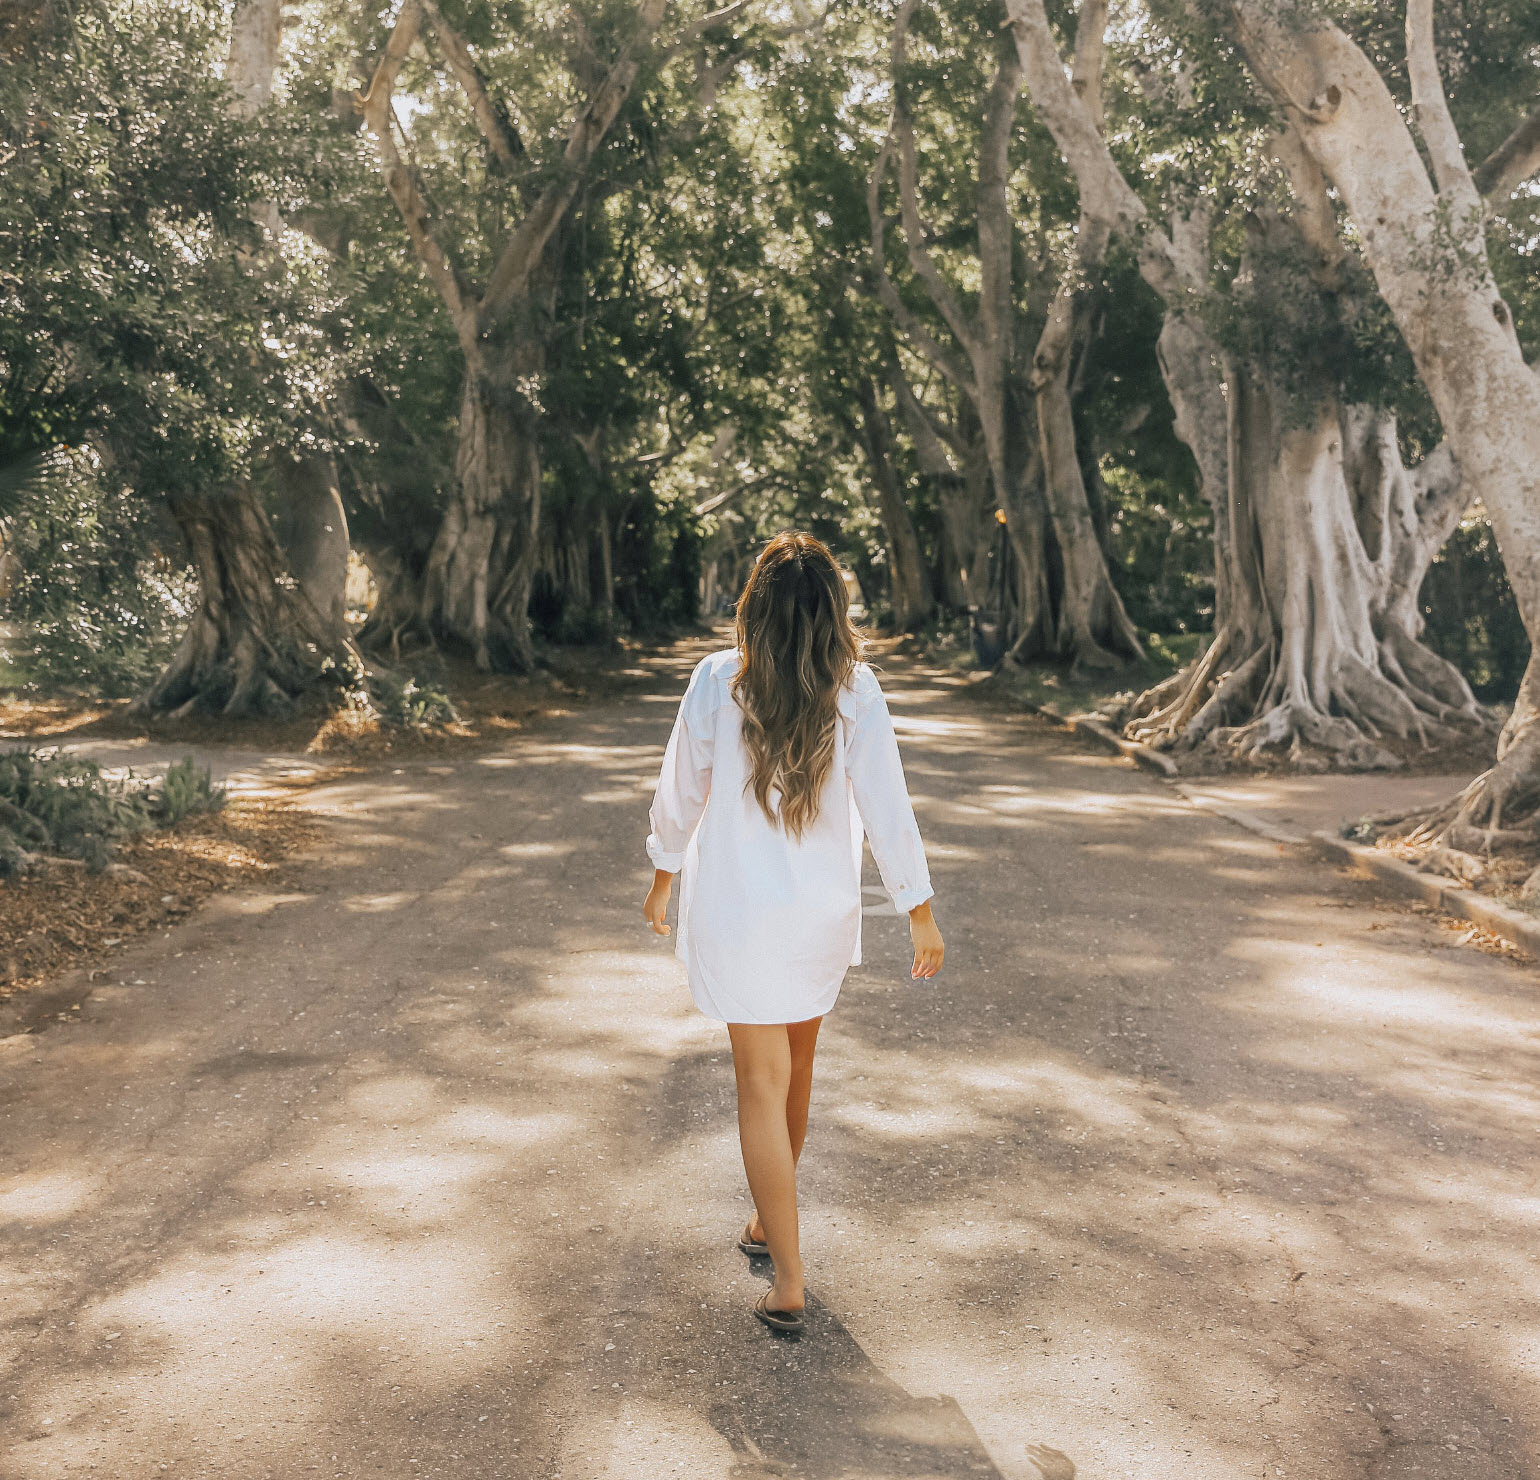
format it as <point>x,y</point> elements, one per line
<point>1101,735</point>
<point>1141,755</point>
<point>1514,926</point>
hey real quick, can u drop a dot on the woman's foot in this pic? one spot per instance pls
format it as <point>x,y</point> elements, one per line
<point>752,1240</point>
<point>789,1320</point>
<point>785,1298</point>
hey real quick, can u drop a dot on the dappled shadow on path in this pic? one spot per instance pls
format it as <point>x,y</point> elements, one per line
<point>1195,1160</point>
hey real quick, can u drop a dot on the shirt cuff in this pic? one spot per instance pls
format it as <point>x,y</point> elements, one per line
<point>670,863</point>
<point>906,899</point>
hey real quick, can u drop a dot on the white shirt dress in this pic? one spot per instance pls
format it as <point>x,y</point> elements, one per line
<point>768,923</point>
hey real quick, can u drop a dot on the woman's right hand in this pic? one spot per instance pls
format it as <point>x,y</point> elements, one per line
<point>929,948</point>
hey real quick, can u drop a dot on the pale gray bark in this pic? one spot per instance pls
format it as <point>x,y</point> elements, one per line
<point>1318,527</point>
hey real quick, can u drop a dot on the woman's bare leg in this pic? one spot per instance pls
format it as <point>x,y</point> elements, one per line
<point>803,1038</point>
<point>762,1064</point>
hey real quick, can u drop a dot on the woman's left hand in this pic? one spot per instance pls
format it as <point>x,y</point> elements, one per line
<point>655,906</point>
<point>929,949</point>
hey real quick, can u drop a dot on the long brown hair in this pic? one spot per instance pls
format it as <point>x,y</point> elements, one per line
<point>798,645</point>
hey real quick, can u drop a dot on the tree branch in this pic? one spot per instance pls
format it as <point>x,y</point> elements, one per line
<point>1104,193</point>
<point>704,24</point>
<point>901,131</point>
<point>1510,164</point>
<point>1103,190</point>
<point>996,230</point>
<point>1313,216</point>
<point>1090,57</point>
<point>523,249</point>
<point>917,334</point>
<point>376,105</point>
<point>930,438</point>
<point>717,500</point>
<point>495,125</point>
<point>1430,107</point>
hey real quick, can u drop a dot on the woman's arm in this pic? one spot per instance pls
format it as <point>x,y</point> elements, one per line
<point>684,783</point>
<point>882,798</point>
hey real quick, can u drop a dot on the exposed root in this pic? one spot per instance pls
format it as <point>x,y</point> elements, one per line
<point>1240,705</point>
<point>1497,814</point>
<point>257,643</point>
<point>1473,819</point>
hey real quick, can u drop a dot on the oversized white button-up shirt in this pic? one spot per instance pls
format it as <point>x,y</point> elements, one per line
<point>769,924</point>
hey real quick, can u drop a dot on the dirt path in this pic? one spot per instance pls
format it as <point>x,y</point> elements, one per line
<point>1197,1161</point>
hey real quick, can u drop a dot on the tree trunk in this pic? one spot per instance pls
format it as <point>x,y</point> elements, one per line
<point>481,567</point>
<point>311,528</point>
<point>968,512</point>
<point>256,641</point>
<point>960,470</point>
<point>1094,630</point>
<point>1424,241</point>
<point>606,566</point>
<point>482,563</point>
<point>270,619</point>
<point>1313,645</point>
<point>908,582</point>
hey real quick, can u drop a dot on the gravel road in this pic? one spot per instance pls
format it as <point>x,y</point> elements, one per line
<point>1198,1160</point>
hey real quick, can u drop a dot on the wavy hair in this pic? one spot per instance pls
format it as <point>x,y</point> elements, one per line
<point>798,647</point>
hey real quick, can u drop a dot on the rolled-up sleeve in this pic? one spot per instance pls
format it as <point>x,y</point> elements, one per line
<point>882,798</point>
<point>684,782</point>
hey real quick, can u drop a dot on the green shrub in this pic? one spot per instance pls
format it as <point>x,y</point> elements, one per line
<point>187,788</point>
<point>57,803</point>
<point>409,701</point>
<point>62,804</point>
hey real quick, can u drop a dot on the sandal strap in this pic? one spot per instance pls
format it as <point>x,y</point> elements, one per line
<point>791,1317</point>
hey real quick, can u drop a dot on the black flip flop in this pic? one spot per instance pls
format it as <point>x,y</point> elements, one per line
<point>788,1322</point>
<point>752,1247</point>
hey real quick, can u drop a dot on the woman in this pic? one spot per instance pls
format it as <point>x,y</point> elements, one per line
<point>782,752</point>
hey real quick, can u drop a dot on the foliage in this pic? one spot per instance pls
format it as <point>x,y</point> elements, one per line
<point>58,803</point>
<point>133,313</point>
<point>96,602</point>
<point>1471,615</point>
<point>409,701</point>
<point>711,316</point>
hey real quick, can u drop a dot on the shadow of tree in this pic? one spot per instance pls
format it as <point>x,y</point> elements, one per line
<point>1195,1161</point>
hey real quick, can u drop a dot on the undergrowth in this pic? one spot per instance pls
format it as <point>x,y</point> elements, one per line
<point>56,804</point>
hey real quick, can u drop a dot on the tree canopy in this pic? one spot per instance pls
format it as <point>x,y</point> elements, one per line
<point>1064,326</point>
